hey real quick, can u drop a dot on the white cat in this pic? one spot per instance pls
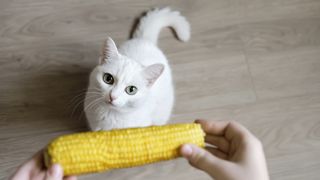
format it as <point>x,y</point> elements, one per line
<point>132,86</point>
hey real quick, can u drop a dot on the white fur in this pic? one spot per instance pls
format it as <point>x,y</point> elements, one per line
<point>137,62</point>
<point>150,25</point>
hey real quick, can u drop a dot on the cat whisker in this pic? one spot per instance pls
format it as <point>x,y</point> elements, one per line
<point>97,100</point>
<point>84,93</point>
<point>76,99</point>
<point>82,96</point>
<point>81,101</point>
<point>91,105</point>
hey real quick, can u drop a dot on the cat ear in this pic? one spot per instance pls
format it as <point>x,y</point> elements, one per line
<point>109,50</point>
<point>152,73</point>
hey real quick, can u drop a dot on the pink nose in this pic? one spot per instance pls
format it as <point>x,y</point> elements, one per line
<point>111,98</point>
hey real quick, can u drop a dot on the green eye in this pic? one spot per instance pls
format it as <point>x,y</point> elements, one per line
<point>108,78</point>
<point>131,90</point>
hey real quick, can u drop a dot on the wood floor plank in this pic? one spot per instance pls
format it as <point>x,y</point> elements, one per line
<point>273,10</point>
<point>208,82</point>
<point>282,35</point>
<point>286,73</point>
<point>283,56</point>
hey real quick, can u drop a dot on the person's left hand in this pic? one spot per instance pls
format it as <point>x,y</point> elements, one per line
<point>34,169</point>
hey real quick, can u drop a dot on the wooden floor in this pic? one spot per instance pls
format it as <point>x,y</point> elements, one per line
<point>254,61</point>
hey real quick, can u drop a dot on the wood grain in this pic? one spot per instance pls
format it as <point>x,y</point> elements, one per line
<point>253,61</point>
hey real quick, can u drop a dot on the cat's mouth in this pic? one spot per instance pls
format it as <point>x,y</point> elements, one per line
<point>116,106</point>
<point>112,104</point>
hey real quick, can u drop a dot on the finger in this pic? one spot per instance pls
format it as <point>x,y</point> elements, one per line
<point>231,130</point>
<point>38,159</point>
<point>54,173</point>
<point>220,142</point>
<point>202,159</point>
<point>30,168</point>
<point>70,178</point>
<point>213,127</point>
<point>236,131</point>
<point>217,152</point>
<point>27,171</point>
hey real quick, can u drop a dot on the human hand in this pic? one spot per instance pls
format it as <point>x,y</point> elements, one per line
<point>235,154</point>
<point>34,169</point>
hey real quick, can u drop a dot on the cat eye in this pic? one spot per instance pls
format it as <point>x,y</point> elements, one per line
<point>108,78</point>
<point>131,90</point>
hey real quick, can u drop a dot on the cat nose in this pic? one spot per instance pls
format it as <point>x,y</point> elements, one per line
<point>111,98</point>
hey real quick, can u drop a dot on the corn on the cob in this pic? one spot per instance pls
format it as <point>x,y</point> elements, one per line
<point>103,150</point>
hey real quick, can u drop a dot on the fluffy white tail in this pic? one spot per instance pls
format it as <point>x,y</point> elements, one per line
<point>151,24</point>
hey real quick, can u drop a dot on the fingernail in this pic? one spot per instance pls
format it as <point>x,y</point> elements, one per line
<point>55,170</point>
<point>186,150</point>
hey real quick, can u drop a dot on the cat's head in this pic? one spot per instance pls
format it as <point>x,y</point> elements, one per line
<point>124,83</point>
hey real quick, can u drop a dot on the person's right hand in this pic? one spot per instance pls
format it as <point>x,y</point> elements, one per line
<point>235,154</point>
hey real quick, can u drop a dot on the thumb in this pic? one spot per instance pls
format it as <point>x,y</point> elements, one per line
<point>54,173</point>
<point>203,160</point>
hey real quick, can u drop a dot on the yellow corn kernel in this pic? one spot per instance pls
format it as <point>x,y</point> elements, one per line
<point>103,150</point>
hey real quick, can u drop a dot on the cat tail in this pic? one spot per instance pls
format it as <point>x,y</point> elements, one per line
<point>151,24</point>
